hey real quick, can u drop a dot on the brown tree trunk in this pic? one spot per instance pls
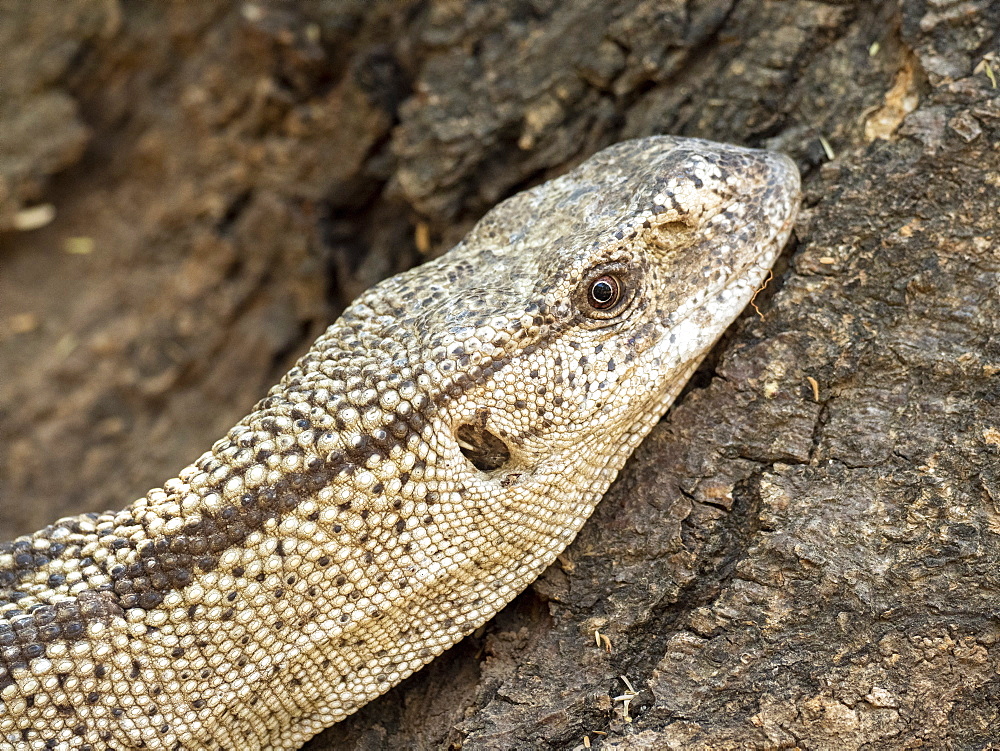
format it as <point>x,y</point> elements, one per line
<point>805,553</point>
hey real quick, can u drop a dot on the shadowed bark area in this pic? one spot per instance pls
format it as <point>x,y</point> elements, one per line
<point>804,553</point>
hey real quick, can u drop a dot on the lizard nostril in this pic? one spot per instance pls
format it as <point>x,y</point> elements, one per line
<point>482,448</point>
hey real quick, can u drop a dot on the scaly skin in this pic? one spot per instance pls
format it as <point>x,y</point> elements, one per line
<point>431,454</point>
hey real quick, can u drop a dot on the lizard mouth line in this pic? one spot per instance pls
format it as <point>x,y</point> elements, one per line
<point>749,276</point>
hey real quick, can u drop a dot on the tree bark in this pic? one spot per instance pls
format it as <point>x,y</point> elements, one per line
<point>804,553</point>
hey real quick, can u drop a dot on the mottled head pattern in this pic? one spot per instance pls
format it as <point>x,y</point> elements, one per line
<point>434,451</point>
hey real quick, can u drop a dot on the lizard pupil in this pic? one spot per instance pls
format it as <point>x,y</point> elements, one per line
<point>604,292</point>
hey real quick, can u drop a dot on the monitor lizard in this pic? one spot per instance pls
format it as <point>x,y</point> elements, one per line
<point>435,450</point>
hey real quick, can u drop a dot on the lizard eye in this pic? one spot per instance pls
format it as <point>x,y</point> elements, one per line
<point>604,292</point>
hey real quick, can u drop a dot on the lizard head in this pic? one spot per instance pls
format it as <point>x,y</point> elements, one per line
<point>552,338</point>
<point>573,312</point>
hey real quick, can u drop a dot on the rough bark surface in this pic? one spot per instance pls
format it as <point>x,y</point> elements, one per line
<point>805,553</point>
